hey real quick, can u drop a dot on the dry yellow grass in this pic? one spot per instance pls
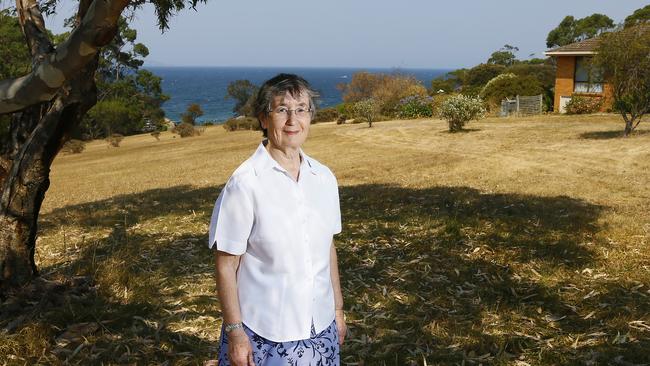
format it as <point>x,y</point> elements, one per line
<point>521,241</point>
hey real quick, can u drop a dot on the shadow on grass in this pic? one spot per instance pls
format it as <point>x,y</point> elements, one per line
<point>445,273</point>
<point>151,275</point>
<point>455,275</point>
<point>608,135</point>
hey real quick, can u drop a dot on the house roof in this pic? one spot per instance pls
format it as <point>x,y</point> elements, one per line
<point>586,47</point>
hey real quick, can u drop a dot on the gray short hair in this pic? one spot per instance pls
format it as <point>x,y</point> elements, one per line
<point>280,85</point>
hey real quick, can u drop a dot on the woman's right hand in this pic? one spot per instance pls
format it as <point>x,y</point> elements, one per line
<point>240,351</point>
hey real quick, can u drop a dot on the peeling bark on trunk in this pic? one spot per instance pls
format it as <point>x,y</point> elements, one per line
<point>25,184</point>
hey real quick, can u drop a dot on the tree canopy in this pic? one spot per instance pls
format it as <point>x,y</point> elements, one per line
<point>572,30</point>
<point>193,112</point>
<point>242,91</point>
<point>639,16</point>
<point>505,56</point>
<point>14,54</point>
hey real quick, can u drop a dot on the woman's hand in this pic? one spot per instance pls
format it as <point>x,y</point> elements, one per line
<point>341,327</point>
<point>240,351</point>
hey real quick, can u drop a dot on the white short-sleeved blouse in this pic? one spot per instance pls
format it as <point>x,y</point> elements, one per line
<point>283,229</point>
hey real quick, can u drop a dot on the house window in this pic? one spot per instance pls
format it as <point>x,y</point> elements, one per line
<point>588,78</point>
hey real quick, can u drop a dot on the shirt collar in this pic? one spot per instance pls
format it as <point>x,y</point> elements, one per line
<point>263,161</point>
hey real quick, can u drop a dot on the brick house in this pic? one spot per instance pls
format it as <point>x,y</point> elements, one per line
<point>574,77</point>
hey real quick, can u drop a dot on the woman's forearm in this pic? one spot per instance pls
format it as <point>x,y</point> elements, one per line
<point>336,282</point>
<point>226,273</point>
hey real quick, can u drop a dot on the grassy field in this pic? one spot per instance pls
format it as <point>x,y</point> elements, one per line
<point>523,241</point>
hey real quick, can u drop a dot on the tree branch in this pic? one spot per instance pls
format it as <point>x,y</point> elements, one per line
<point>97,28</point>
<point>33,26</point>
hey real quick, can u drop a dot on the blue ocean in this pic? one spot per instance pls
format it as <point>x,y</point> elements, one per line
<point>207,85</point>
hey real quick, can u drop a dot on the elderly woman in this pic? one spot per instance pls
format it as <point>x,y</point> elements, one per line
<point>272,228</point>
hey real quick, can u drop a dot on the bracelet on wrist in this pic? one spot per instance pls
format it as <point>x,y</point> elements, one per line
<point>230,327</point>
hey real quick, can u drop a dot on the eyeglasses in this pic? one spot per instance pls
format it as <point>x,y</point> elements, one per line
<point>284,112</point>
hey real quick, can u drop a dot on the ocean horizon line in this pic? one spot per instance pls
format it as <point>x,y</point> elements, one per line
<point>298,67</point>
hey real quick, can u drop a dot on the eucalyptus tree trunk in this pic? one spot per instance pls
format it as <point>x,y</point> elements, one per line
<point>45,105</point>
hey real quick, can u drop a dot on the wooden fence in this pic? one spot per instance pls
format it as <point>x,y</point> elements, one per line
<point>522,106</point>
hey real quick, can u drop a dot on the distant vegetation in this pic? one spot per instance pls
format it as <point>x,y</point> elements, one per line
<point>242,123</point>
<point>130,99</point>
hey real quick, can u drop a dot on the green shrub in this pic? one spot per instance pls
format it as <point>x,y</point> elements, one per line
<point>460,109</point>
<point>326,115</point>
<point>345,109</point>
<point>580,104</point>
<point>415,106</point>
<point>115,139</point>
<point>242,123</point>
<point>73,147</point>
<point>509,86</point>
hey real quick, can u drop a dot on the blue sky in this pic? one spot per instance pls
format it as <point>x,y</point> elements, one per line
<point>357,33</point>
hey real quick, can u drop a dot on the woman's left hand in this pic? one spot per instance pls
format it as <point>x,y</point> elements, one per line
<point>341,327</point>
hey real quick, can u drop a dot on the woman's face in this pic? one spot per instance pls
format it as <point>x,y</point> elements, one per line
<point>287,123</point>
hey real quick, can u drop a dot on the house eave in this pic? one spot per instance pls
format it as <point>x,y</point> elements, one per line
<point>570,53</point>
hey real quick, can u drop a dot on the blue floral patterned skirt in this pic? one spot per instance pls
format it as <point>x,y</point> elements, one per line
<point>320,349</point>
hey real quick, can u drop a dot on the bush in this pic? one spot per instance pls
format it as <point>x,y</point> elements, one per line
<point>326,115</point>
<point>73,147</point>
<point>385,89</point>
<point>480,75</point>
<point>415,106</point>
<point>185,130</point>
<point>114,139</point>
<point>242,123</point>
<point>509,86</point>
<point>584,105</point>
<point>460,109</point>
<point>437,101</point>
<point>345,109</point>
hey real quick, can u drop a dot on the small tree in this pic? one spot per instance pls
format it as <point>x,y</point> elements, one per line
<point>368,109</point>
<point>460,109</point>
<point>624,58</point>
<point>243,92</point>
<point>193,112</point>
